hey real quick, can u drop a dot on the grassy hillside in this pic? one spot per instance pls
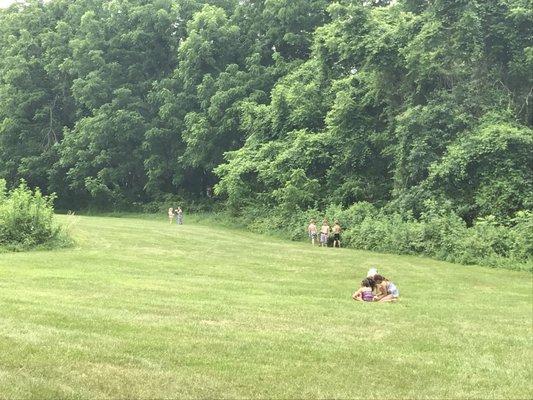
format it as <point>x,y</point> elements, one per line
<point>143,309</point>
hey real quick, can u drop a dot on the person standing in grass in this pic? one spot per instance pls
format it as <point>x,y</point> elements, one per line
<point>388,291</point>
<point>179,216</point>
<point>312,231</point>
<point>337,234</point>
<point>170,215</point>
<point>324,233</point>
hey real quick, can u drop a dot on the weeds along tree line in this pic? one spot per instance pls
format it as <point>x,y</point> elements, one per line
<point>411,120</point>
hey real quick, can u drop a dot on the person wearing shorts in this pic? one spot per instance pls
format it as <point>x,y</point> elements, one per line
<point>179,215</point>
<point>324,233</point>
<point>337,234</point>
<point>312,231</point>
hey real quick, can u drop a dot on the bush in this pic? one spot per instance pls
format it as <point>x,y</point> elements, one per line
<point>439,232</point>
<point>27,219</point>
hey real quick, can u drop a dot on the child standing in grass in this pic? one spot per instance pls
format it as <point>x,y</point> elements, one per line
<point>170,215</point>
<point>388,291</point>
<point>337,234</point>
<point>312,231</point>
<point>365,292</point>
<point>179,216</point>
<point>324,233</point>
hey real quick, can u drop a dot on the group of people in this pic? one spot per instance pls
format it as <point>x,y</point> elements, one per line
<point>177,214</point>
<point>376,287</point>
<point>325,231</point>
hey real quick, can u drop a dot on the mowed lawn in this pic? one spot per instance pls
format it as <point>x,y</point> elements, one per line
<point>143,309</point>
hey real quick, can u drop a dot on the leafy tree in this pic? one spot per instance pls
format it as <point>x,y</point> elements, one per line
<point>103,153</point>
<point>35,100</point>
<point>488,171</point>
<point>283,104</point>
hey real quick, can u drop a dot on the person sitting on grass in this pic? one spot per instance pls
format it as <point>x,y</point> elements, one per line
<point>366,291</point>
<point>388,291</point>
<point>337,234</point>
<point>324,233</point>
<point>312,231</point>
<point>170,215</point>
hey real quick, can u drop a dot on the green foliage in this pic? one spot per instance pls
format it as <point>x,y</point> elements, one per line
<point>439,233</point>
<point>27,219</point>
<point>93,154</point>
<point>488,171</point>
<point>288,105</point>
<point>442,234</point>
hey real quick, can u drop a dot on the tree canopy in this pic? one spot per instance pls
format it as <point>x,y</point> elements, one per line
<point>287,104</point>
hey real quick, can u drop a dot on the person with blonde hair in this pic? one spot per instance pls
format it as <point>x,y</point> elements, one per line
<point>324,233</point>
<point>312,231</point>
<point>170,215</point>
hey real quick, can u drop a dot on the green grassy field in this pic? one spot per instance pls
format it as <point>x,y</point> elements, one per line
<point>142,309</point>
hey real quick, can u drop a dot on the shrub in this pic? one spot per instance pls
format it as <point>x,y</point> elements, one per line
<point>439,232</point>
<point>27,219</point>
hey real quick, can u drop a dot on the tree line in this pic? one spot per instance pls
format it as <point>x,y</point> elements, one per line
<point>283,105</point>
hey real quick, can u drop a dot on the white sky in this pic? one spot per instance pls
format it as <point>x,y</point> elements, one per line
<point>5,3</point>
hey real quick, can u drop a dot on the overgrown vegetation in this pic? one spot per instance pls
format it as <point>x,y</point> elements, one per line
<point>27,220</point>
<point>439,233</point>
<point>422,109</point>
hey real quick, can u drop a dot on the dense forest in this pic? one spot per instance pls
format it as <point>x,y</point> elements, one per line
<point>279,105</point>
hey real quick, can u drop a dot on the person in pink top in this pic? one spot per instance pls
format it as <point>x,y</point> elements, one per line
<point>366,291</point>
